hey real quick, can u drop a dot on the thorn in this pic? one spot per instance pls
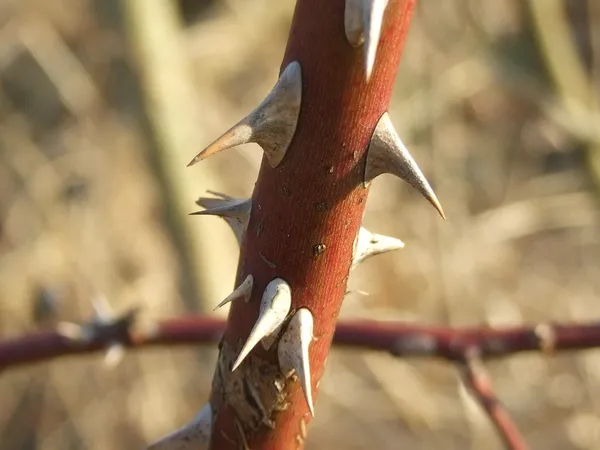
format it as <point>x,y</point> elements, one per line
<point>71,331</point>
<point>357,292</point>
<point>244,291</point>
<point>235,211</point>
<point>292,352</point>
<point>271,125</point>
<point>114,355</point>
<point>274,308</point>
<point>103,313</point>
<point>369,244</point>
<point>363,20</point>
<point>103,326</point>
<point>192,436</point>
<point>387,154</point>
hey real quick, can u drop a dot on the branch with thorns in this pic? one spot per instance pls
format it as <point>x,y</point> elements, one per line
<point>467,347</point>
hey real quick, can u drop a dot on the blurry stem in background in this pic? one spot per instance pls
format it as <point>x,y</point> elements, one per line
<point>467,347</point>
<point>453,344</point>
<point>477,380</point>
<point>154,33</point>
<point>574,85</point>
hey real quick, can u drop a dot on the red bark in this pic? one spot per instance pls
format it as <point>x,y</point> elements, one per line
<point>306,212</point>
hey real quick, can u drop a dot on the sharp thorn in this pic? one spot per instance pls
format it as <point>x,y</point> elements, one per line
<point>193,436</point>
<point>271,125</point>
<point>373,21</point>
<point>293,352</point>
<point>244,291</point>
<point>387,154</point>
<point>274,308</point>
<point>236,212</point>
<point>240,133</point>
<point>363,20</point>
<point>369,244</point>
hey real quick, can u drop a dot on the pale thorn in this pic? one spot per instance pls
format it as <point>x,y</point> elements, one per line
<point>271,125</point>
<point>103,313</point>
<point>369,244</point>
<point>70,331</point>
<point>193,436</point>
<point>363,20</point>
<point>292,352</point>
<point>114,355</point>
<point>387,154</point>
<point>235,211</point>
<point>274,308</point>
<point>353,22</point>
<point>244,291</point>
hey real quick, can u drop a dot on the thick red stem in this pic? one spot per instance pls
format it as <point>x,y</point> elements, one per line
<point>306,212</point>
<point>305,216</point>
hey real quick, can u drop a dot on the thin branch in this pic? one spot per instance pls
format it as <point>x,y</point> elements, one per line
<point>477,380</point>
<point>400,339</point>
<point>467,347</point>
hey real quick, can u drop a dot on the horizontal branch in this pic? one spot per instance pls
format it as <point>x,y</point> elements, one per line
<point>467,347</point>
<point>400,339</point>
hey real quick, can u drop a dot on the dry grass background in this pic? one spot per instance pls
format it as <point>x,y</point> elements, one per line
<point>102,102</point>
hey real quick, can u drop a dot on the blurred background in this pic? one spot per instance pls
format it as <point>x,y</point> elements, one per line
<point>103,103</point>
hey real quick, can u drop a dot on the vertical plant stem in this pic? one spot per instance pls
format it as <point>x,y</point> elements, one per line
<point>305,216</point>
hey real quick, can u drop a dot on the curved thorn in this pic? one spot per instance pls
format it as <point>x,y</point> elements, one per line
<point>244,291</point>
<point>293,354</point>
<point>369,244</point>
<point>387,154</point>
<point>271,125</point>
<point>193,436</point>
<point>236,212</point>
<point>274,308</point>
<point>363,20</point>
